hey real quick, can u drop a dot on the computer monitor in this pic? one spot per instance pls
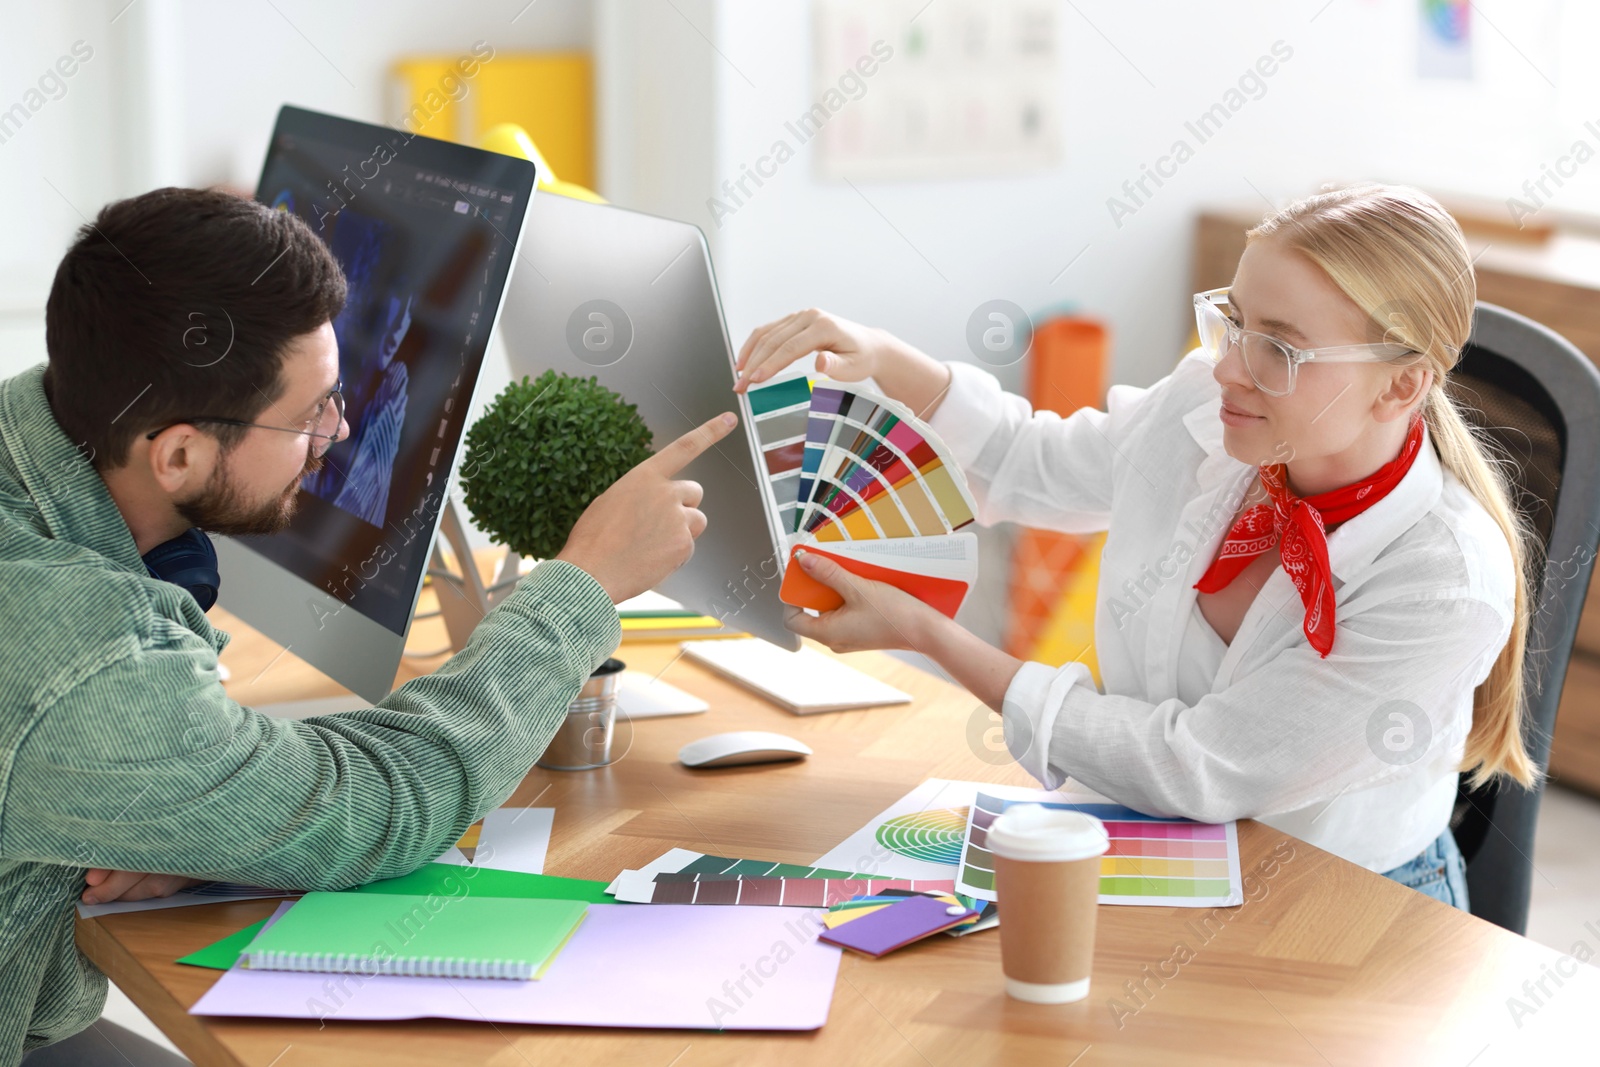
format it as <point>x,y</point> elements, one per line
<point>426,232</point>
<point>630,299</point>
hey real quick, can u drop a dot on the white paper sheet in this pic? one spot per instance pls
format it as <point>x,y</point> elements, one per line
<point>515,839</point>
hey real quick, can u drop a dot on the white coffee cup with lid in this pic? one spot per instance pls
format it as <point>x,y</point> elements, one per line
<point>1047,879</point>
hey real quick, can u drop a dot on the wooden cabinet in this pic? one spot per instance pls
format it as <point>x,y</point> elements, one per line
<point>1554,281</point>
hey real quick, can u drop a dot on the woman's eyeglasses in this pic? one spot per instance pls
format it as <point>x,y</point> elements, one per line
<point>1272,363</point>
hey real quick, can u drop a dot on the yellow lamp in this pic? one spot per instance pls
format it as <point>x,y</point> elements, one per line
<point>512,140</point>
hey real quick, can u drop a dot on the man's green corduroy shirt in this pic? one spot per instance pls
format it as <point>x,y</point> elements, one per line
<point>120,749</point>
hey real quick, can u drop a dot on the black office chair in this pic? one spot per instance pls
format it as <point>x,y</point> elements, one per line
<point>1539,398</point>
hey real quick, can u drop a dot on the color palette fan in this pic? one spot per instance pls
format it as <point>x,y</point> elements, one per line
<point>860,479</point>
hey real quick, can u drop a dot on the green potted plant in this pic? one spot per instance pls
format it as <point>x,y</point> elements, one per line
<point>542,450</point>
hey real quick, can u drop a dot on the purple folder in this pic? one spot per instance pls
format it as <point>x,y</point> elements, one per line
<point>662,965</point>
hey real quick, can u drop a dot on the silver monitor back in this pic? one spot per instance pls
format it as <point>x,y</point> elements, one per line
<point>630,299</point>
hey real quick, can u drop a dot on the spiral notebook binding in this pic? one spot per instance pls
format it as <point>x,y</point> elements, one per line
<point>412,967</point>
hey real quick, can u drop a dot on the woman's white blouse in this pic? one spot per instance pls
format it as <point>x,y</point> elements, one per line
<point>1199,657</point>
<point>1356,753</point>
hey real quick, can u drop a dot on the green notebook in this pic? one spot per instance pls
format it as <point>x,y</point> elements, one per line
<point>463,937</point>
<point>441,879</point>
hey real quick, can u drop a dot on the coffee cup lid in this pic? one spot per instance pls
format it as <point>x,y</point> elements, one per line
<point>1035,832</point>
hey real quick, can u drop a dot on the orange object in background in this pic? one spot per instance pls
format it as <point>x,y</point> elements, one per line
<point>1054,576</point>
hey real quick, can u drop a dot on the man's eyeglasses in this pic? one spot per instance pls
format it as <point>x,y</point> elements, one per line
<point>1272,363</point>
<point>329,416</point>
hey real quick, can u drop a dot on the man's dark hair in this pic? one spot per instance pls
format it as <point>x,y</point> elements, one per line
<point>178,304</point>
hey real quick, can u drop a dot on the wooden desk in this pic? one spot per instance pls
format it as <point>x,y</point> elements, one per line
<point>1329,964</point>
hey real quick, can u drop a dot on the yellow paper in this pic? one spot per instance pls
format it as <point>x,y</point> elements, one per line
<point>845,912</point>
<point>839,918</point>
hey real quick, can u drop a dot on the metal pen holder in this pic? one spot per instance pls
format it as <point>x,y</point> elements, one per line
<point>583,740</point>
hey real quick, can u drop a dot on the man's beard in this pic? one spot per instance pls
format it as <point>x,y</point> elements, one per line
<point>222,508</point>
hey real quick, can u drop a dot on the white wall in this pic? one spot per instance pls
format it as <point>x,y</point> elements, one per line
<point>1346,105</point>
<point>656,95</point>
<point>186,90</point>
<point>59,154</point>
<point>690,90</point>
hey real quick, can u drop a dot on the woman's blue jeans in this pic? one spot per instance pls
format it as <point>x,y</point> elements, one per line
<point>1437,871</point>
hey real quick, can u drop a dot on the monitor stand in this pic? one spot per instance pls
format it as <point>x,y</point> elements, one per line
<point>463,602</point>
<point>463,598</point>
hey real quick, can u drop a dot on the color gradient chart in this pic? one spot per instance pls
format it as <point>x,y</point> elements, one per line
<point>1152,860</point>
<point>935,836</point>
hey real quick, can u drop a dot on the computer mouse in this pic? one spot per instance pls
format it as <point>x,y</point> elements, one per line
<point>741,747</point>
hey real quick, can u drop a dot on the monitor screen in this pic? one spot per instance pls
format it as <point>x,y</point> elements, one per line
<point>425,232</point>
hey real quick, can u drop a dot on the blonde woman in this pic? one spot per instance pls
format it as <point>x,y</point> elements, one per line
<point>1313,602</point>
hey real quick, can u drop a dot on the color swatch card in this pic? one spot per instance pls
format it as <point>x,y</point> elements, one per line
<point>687,861</point>
<point>779,412</point>
<point>861,479</point>
<point>681,863</point>
<point>897,925</point>
<point>871,469</point>
<point>464,937</point>
<point>637,887</point>
<point>860,907</point>
<point>1152,860</point>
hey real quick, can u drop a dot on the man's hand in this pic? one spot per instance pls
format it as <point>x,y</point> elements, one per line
<point>643,528</point>
<point>105,886</point>
<point>874,614</point>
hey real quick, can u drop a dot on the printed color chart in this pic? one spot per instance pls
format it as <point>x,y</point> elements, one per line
<point>935,836</point>
<point>1151,860</point>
